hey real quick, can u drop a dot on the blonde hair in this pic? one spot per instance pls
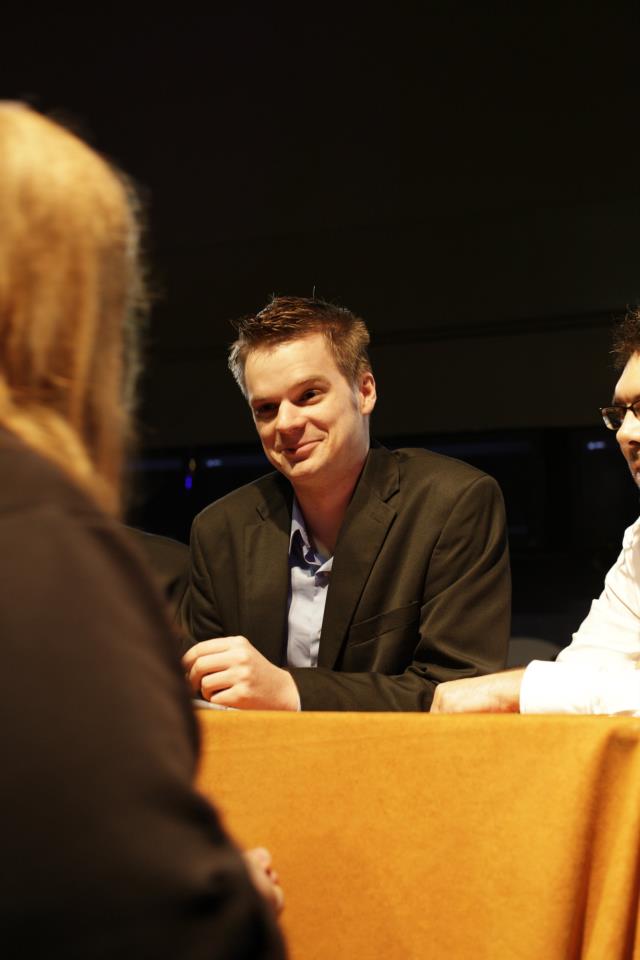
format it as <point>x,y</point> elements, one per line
<point>69,285</point>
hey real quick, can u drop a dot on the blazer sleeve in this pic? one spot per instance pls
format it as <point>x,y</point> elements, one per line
<point>107,843</point>
<point>201,616</point>
<point>464,618</point>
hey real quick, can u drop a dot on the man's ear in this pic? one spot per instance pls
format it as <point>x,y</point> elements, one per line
<point>367,393</point>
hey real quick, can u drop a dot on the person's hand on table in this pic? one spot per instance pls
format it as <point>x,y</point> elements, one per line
<point>229,671</point>
<point>496,693</point>
<point>264,877</point>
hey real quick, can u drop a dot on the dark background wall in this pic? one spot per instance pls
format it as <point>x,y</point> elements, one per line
<point>465,177</point>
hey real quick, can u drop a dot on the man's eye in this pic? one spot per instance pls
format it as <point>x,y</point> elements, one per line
<point>309,395</point>
<point>264,412</point>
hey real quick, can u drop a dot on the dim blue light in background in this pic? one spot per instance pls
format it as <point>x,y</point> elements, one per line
<point>188,482</point>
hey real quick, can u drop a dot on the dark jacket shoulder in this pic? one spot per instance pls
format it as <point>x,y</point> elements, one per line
<point>168,560</point>
<point>260,498</point>
<point>30,480</point>
<point>419,459</point>
<point>419,464</point>
<point>409,473</point>
<point>40,503</point>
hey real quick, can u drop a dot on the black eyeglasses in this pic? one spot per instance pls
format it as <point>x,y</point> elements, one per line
<point>615,414</point>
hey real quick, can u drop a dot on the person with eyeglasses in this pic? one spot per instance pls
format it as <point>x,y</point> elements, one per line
<point>599,672</point>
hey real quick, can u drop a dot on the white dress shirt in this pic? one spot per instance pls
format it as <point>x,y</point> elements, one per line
<point>599,672</point>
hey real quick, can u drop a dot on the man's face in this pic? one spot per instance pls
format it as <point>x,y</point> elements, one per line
<point>628,436</point>
<point>313,424</point>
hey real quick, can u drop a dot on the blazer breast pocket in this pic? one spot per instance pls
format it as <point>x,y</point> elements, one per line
<point>383,623</point>
<point>383,644</point>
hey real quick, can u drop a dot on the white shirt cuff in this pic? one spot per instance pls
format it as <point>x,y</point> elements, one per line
<point>572,688</point>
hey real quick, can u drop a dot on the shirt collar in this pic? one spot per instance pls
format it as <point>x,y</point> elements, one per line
<point>300,543</point>
<point>298,526</point>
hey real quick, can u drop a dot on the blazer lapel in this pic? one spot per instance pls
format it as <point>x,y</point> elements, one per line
<point>266,573</point>
<point>363,532</point>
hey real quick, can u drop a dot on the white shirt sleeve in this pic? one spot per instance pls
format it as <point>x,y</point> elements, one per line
<point>599,672</point>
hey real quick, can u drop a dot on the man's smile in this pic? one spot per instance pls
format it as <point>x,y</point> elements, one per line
<point>299,448</point>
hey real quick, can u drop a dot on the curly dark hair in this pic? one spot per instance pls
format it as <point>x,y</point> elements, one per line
<point>288,318</point>
<point>626,338</point>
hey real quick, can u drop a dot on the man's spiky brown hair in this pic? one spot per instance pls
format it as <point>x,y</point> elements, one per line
<point>289,318</point>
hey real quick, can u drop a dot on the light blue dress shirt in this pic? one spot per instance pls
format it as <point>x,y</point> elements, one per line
<point>309,576</point>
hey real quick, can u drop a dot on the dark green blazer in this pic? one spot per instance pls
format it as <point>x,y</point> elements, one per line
<point>419,591</point>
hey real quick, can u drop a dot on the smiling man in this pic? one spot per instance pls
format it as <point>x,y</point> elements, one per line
<point>599,672</point>
<point>352,578</point>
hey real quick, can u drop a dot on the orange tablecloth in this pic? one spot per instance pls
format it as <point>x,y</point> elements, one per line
<point>402,836</point>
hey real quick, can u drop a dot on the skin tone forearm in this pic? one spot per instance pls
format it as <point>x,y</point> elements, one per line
<point>230,672</point>
<point>497,693</point>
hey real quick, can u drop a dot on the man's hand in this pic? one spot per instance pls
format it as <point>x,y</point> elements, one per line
<point>264,877</point>
<point>497,693</point>
<point>232,673</point>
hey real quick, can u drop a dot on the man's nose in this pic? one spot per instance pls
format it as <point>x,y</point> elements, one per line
<point>289,417</point>
<point>629,429</point>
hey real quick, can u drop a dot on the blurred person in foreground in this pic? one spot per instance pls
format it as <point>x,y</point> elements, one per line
<point>108,851</point>
<point>599,672</point>
<point>353,577</point>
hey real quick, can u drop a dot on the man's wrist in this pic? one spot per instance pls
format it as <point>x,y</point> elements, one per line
<point>291,694</point>
<point>509,690</point>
